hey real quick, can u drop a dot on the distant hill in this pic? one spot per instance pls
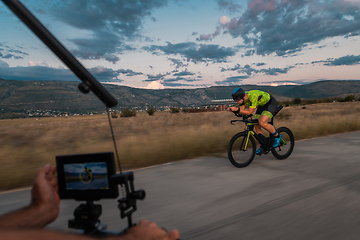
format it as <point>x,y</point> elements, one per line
<point>17,95</point>
<point>324,89</point>
<point>64,96</point>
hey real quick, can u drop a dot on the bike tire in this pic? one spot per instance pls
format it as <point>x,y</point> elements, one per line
<point>237,155</point>
<point>286,146</point>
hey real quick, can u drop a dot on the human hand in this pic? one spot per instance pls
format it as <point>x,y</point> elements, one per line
<point>232,109</point>
<point>44,207</point>
<point>146,230</point>
<point>44,193</point>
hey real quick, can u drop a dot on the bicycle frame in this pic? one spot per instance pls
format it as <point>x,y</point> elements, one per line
<point>250,131</point>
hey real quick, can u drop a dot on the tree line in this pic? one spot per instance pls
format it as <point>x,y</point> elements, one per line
<point>299,101</point>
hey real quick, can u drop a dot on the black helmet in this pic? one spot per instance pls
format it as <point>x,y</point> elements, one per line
<point>238,93</point>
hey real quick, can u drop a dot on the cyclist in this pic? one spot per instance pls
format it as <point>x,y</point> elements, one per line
<point>266,106</point>
<point>88,174</point>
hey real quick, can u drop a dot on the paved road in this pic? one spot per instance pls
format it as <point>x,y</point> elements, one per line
<point>315,194</point>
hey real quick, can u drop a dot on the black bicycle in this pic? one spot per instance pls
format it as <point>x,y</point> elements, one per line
<point>242,146</point>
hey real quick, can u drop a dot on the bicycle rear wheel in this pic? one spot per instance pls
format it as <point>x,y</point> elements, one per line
<point>286,146</point>
<point>241,151</point>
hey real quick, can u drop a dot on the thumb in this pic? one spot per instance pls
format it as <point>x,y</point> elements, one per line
<point>174,235</point>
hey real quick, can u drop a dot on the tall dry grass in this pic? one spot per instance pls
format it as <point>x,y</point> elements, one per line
<point>27,144</point>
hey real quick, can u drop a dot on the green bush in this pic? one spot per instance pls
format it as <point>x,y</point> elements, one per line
<point>114,114</point>
<point>127,113</point>
<point>311,101</point>
<point>151,111</point>
<point>326,100</point>
<point>174,110</point>
<point>349,98</point>
<point>296,100</point>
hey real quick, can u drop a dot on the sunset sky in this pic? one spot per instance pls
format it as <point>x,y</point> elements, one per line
<point>187,43</point>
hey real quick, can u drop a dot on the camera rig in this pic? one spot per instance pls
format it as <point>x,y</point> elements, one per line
<point>86,215</point>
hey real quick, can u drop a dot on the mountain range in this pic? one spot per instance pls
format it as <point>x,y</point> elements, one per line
<point>64,96</point>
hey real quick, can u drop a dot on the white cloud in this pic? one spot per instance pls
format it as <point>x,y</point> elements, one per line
<point>155,85</point>
<point>39,63</point>
<point>349,17</point>
<point>113,83</point>
<point>224,20</point>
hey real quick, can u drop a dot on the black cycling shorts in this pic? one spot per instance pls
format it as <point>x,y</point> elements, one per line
<point>269,107</point>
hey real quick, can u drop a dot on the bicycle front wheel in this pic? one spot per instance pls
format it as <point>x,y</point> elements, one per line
<point>286,146</point>
<point>241,150</point>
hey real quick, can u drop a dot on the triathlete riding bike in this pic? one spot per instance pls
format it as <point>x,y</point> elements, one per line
<point>266,106</point>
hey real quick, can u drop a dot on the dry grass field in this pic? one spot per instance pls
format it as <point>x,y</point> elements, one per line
<point>27,144</point>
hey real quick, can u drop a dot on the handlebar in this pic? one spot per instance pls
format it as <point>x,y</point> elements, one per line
<point>238,114</point>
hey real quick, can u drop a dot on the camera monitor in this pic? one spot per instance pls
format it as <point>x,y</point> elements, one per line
<point>86,176</point>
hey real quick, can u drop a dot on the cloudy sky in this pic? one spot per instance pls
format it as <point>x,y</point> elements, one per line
<point>188,43</point>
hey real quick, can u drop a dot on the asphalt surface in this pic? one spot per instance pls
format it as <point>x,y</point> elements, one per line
<point>314,194</point>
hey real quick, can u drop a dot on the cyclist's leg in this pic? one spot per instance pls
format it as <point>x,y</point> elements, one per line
<point>266,116</point>
<point>267,112</point>
<point>258,129</point>
<point>264,122</point>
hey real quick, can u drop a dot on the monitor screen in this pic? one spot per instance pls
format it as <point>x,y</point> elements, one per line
<point>86,176</point>
<point>90,175</point>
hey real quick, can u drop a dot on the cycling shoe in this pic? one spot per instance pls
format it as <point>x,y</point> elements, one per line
<point>277,141</point>
<point>258,151</point>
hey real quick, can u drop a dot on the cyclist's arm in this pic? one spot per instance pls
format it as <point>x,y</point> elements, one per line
<point>248,111</point>
<point>244,109</point>
<point>233,109</point>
